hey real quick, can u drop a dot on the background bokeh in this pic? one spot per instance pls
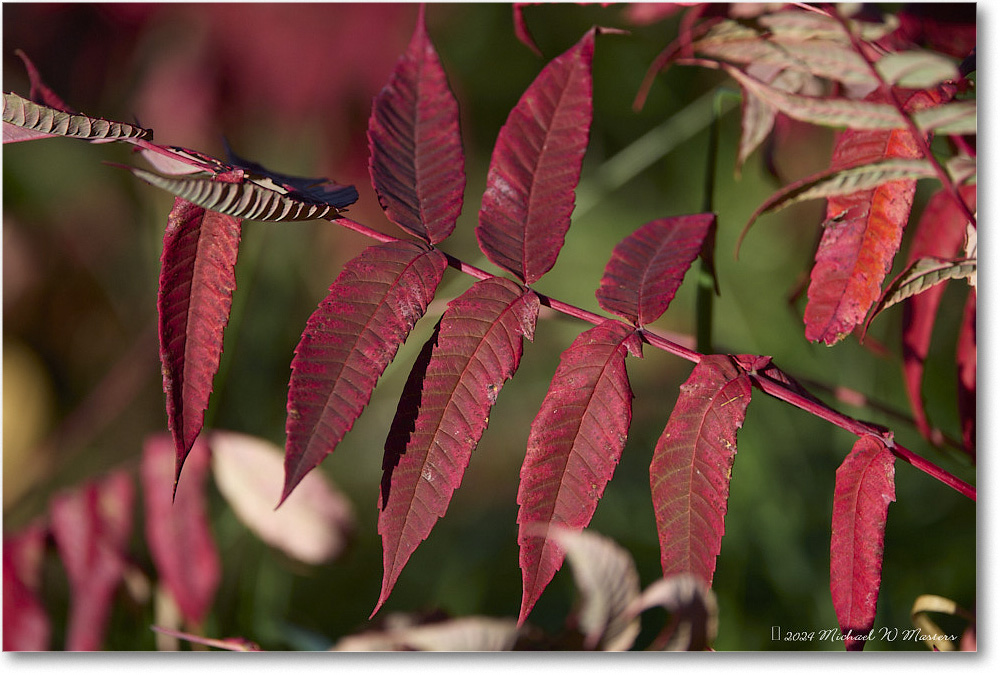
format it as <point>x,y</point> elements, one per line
<point>290,86</point>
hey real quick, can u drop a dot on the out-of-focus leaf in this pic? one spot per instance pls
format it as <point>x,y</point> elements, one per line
<point>758,116</point>
<point>648,266</point>
<point>694,612</point>
<point>197,280</point>
<point>24,120</point>
<point>536,166</point>
<point>243,199</point>
<point>40,92</point>
<point>916,69</point>
<point>26,625</point>
<point>177,529</point>
<point>311,525</point>
<point>955,118</point>
<point>938,234</point>
<point>693,463</point>
<point>467,634</point>
<point>444,410</point>
<point>863,229</point>
<point>922,275</point>
<point>347,344</point>
<point>865,485</point>
<point>521,28</point>
<point>573,447</point>
<point>416,162</point>
<point>965,360</point>
<point>608,582</point>
<point>824,111</point>
<point>232,644</point>
<point>91,526</point>
<point>931,635</point>
<point>817,25</point>
<point>962,169</point>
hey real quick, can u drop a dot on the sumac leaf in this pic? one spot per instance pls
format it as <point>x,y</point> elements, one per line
<point>26,625</point>
<point>647,267</point>
<point>91,527</point>
<point>312,525</point>
<point>864,487</point>
<point>693,608</point>
<point>40,92</point>
<point>939,233</point>
<point>416,163</point>
<point>608,583</point>
<point>820,26</point>
<point>916,69</point>
<point>347,344</point>
<point>197,279</point>
<point>863,231</point>
<point>957,117</point>
<point>692,466</point>
<point>466,634</point>
<point>574,445</point>
<point>536,166</point>
<point>240,199</point>
<point>920,277</point>
<point>476,348</point>
<point>24,120</point>
<point>177,529</point>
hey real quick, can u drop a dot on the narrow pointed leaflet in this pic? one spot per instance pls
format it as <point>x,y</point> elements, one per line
<point>647,267</point>
<point>865,486</point>
<point>475,350</point>
<point>197,279</point>
<point>347,344</point>
<point>177,528</point>
<point>575,443</point>
<point>863,232</point>
<point>535,167</point>
<point>416,162</point>
<point>26,624</point>
<point>91,526</point>
<point>939,233</point>
<point>693,464</point>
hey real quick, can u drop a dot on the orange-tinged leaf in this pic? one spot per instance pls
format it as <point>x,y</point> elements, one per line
<point>863,231</point>
<point>865,485</point>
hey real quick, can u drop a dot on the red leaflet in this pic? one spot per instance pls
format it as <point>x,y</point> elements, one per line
<point>693,463</point>
<point>573,448</point>
<point>521,29</point>
<point>939,233</point>
<point>40,92</point>
<point>476,348</point>
<point>347,343</point>
<point>863,229</point>
<point>536,166</point>
<point>965,359</point>
<point>91,526</point>
<point>416,162</point>
<point>647,267</point>
<point>197,279</point>
<point>864,487</point>
<point>26,624</point>
<point>177,530</point>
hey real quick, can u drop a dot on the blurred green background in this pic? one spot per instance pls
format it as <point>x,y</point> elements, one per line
<point>291,87</point>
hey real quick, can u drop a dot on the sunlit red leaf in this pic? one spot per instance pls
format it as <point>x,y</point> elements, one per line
<point>575,443</point>
<point>647,267</point>
<point>939,233</point>
<point>865,485</point>
<point>26,625</point>
<point>347,344</point>
<point>444,411</point>
<point>416,163</point>
<point>692,465</point>
<point>177,529</point>
<point>197,279</point>
<point>965,359</point>
<point>536,166</point>
<point>312,525</point>
<point>863,231</point>
<point>91,526</point>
